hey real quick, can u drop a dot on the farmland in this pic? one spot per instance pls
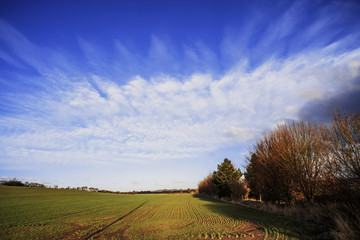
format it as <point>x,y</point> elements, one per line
<point>39,213</point>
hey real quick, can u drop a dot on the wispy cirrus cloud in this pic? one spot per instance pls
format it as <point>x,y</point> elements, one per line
<point>290,29</point>
<point>90,118</point>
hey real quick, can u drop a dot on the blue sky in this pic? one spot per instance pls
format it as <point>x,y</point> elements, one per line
<point>144,95</point>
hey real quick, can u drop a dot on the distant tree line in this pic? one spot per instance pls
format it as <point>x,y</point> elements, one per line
<point>168,191</point>
<point>15,182</point>
<point>308,162</point>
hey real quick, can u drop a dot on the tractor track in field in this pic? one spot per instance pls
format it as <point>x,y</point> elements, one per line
<point>112,223</point>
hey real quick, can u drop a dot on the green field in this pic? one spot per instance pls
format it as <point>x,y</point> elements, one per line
<point>39,213</point>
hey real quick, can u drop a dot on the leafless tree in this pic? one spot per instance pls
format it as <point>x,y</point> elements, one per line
<point>289,161</point>
<point>344,163</point>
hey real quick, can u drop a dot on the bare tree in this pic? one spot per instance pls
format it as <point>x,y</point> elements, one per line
<point>310,156</point>
<point>206,186</point>
<point>345,153</point>
<point>288,162</point>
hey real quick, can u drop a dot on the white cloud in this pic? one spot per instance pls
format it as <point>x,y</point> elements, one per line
<point>158,49</point>
<point>241,133</point>
<point>84,118</point>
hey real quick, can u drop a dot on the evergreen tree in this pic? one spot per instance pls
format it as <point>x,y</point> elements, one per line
<point>226,175</point>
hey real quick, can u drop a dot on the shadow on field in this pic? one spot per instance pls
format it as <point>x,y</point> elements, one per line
<point>117,220</point>
<point>272,223</point>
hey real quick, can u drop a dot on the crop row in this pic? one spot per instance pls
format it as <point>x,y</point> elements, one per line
<point>79,215</point>
<point>184,218</point>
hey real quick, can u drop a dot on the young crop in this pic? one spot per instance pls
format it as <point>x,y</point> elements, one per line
<point>30,213</point>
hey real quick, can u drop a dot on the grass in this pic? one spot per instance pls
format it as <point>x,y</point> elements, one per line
<point>36,213</point>
<point>334,220</point>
